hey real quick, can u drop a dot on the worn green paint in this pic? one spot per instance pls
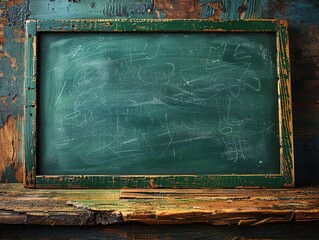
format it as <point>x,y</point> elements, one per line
<point>191,181</point>
<point>131,9</point>
<point>230,12</point>
<point>11,78</point>
<point>97,9</point>
<point>30,106</point>
<point>122,25</point>
<point>286,102</point>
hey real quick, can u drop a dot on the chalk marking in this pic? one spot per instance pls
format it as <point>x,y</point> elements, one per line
<point>105,146</point>
<point>145,47</point>
<point>60,93</point>
<point>147,143</point>
<point>158,47</point>
<point>264,130</point>
<point>236,54</point>
<point>129,141</point>
<point>168,132</point>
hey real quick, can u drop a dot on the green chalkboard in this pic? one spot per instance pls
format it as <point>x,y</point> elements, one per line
<point>147,103</point>
<point>158,103</point>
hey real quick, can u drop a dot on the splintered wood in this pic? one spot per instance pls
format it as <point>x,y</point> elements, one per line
<point>153,206</point>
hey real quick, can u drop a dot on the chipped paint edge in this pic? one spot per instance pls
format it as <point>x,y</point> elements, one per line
<point>30,104</point>
<point>167,25</point>
<point>285,95</point>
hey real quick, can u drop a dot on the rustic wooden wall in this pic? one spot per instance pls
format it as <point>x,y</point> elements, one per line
<point>304,48</point>
<point>12,19</point>
<point>304,53</point>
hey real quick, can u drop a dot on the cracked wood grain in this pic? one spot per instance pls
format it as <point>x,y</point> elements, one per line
<point>153,206</point>
<point>9,141</point>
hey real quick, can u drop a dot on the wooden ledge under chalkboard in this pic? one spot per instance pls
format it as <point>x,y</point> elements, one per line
<point>77,207</point>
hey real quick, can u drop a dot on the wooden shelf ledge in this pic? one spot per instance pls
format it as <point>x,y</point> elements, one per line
<point>157,206</point>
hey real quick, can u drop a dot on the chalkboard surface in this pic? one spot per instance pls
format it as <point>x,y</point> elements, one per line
<point>158,103</point>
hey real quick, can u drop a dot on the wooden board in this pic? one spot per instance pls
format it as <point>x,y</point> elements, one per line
<point>158,206</point>
<point>199,99</point>
<point>303,31</point>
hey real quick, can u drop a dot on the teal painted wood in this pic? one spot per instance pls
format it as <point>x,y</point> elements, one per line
<point>30,105</point>
<point>97,9</point>
<point>134,9</point>
<point>11,66</point>
<point>234,180</point>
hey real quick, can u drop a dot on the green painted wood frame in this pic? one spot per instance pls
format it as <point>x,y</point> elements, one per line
<point>284,179</point>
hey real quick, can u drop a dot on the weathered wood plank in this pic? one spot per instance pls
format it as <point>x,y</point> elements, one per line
<point>152,206</point>
<point>11,168</point>
<point>12,16</point>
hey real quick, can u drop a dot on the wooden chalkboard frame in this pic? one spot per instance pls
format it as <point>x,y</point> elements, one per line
<point>284,179</point>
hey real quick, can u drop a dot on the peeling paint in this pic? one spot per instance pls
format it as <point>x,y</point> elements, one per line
<point>93,4</point>
<point>74,1</point>
<point>14,99</point>
<point>3,39</point>
<point>12,18</point>
<point>143,7</point>
<point>182,9</point>
<point>4,101</point>
<point>17,14</point>
<point>13,60</point>
<point>242,9</point>
<point>11,169</point>
<point>12,36</point>
<point>218,10</point>
<point>159,14</point>
<point>3,6</point>
<point>19,35</point>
